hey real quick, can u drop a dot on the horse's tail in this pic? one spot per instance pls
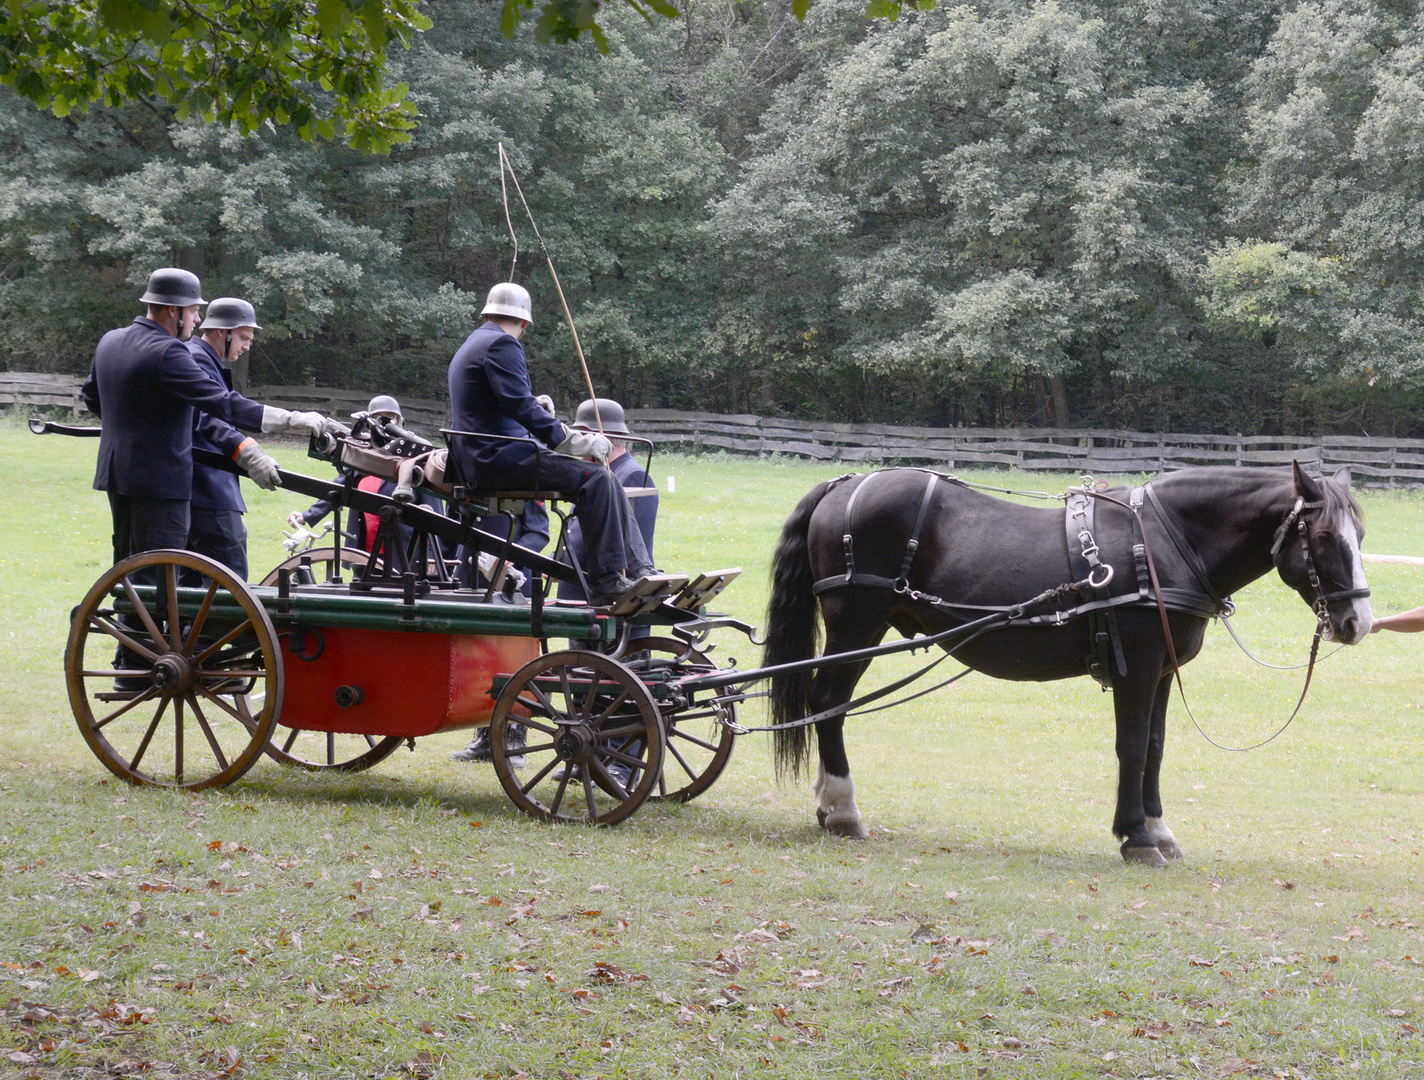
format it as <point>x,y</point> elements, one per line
<point>793,632</point>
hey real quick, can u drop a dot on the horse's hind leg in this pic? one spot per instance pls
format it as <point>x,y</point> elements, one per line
<point>1152,774</point>
<point>834,789</point>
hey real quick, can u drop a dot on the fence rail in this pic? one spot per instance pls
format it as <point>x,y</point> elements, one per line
<point>1374,460</point>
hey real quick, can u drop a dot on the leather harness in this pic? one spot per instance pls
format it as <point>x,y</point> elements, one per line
<point>1089,577</point>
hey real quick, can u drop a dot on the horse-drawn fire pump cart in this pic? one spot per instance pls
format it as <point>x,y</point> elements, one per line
<point>322,672</point>
<point>181,674</point>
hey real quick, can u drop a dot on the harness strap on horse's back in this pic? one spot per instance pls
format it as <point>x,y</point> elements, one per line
<point>851,575</point>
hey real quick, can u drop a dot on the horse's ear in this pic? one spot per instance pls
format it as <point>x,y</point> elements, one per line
<point>1342,477</point>
<point>1305,487</point>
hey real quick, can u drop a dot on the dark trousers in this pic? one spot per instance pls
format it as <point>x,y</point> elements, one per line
<point>611,538</point>
<point>221,536</point>
<point>143,524</point>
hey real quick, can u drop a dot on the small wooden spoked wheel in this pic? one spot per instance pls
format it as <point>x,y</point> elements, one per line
<point>329,751</point>
<point>699,744</point>
<point>595,739</point>
<point>193,694</point>
<point>322,561</point>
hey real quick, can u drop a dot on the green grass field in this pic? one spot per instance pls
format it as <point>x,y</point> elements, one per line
<point>406,922</point>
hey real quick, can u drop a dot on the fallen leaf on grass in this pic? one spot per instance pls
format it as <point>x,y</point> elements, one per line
<point>762,937</point>
<point>360,914</point>
<point>1197,961</point>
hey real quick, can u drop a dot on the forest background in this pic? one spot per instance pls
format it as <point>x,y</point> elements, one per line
<point>1183,215</point>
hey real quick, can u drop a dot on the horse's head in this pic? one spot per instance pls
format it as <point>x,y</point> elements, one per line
<point>1317,553</point>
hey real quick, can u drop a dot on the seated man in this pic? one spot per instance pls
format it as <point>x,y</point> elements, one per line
<point>490,394</point>
<point>629,474</point>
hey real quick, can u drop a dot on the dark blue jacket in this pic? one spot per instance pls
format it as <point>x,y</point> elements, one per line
<point>144,386</point>
<point>490,393</point>
<point>215,489</point>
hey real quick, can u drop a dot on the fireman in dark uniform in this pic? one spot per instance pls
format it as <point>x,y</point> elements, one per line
<point>215,527</point>
<point>144,386</point>
<point>490,395</point>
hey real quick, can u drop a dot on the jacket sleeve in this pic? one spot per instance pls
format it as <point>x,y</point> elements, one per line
<point>509,379</point>
<point>90,393</point>
<point>181,377</point>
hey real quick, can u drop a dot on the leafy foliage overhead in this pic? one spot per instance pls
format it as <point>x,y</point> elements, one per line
<point>318,66</point>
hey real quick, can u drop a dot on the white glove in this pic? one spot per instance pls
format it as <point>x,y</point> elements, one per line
<point>259,467</point>
<point>274,419</point>
<point>586,444</point>
<point>545,402</point>
<point>295,520</point>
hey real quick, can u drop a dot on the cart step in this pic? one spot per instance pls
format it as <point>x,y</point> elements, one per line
<point>648,593</point>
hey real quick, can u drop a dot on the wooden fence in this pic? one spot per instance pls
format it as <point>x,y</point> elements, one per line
<point>1377,461</point>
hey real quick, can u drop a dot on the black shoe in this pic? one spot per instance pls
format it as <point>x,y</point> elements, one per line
<point>607,589</point>
<point>131,684</point>
<point>515,739</point>
<point>478,750</point>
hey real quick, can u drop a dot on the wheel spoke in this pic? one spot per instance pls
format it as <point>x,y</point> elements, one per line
<point>559,794</point>
<point>126,707</point>
<point>152,627</point>
<point>292,738</point>
<point>609,778</point>
<point>245,721</point>
<point>175,630</point>
<point>589,797</point>
<point>178,740</point>
<point>331,748</point>
<point>545,702</point>
<point>568,709</point>
<point>200,618</point>
<point>231,635</point>
<point>675,732</point>
<point>207,731</point>
<point>621,733</point>
<point>147,737</point>
<point>606,713</point>
<point>676,753</point>
<point>539,748</point>
<point>545,771</point>
<point>117,673</point>
<point>592,696</point>
<point>123,637</point>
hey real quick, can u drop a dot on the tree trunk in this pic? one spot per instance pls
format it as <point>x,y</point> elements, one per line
<point>1058,408</point>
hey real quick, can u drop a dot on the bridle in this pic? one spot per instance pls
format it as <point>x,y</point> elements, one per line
<point>1323,599</point>
<point>1321,608</point>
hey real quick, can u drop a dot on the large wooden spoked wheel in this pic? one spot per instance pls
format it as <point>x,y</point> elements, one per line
<point>699,744</point>
<point>323,563</point>
<point>192,700</point>
<point>584,713</point>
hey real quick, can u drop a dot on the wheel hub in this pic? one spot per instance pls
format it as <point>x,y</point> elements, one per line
<point>171,674</point>
<point>572,743</point>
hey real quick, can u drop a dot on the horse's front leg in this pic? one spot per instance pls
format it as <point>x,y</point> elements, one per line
<point>834,789</point>
<point>1134,697</point>
<point>1152,775</point>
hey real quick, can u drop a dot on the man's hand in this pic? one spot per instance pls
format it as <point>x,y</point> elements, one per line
<point>586,444</point>
<point>252,460</point>
<point>545,402</point>
<point>295,520</point>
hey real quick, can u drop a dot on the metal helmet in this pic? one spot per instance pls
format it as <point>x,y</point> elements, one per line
<point>609,411</point>
<point>229,313</point>
<point>172,287</point>
<point>509,300</point>
<point>384,403</point>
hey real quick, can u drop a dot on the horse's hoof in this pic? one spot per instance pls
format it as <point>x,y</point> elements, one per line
<point>821,818</point>
<point>851,830</point>
<point>1144,856</point>
<point>1170,849</point>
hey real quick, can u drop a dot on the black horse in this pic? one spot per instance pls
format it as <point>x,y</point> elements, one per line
<point>976,553</point>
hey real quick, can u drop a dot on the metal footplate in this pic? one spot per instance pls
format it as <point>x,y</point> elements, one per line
<point>648,593</point>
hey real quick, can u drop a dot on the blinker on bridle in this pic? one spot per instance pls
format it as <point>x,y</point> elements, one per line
<point>1322,598</point>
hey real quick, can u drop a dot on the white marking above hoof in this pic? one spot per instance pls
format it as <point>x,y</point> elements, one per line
<point>835,806</point>
<point>1158,829</point>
